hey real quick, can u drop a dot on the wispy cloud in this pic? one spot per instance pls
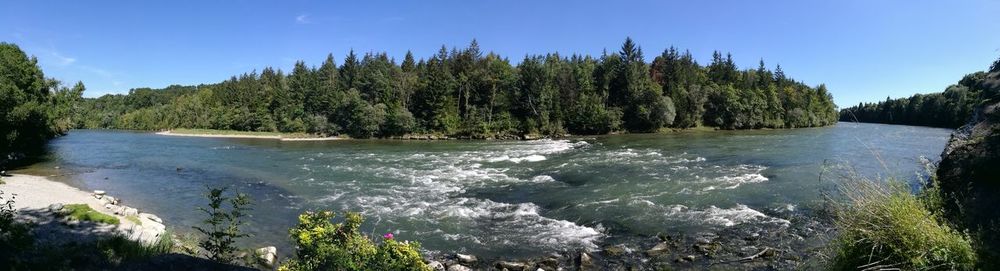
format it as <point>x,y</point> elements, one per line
<point>302,19</point>
<point>61,60</point>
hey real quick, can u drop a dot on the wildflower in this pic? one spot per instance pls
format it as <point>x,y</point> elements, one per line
<point>387,236</point>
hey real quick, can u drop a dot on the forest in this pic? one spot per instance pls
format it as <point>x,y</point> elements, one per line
<point>948,109</point>
<point>468,93</point>
<point>33,108</point>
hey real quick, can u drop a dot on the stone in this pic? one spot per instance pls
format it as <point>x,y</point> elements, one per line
<point>658,249</point>
<point>466,259</point>
<point>129,211</point>
<point>458,267</point>
<point>512,266</point>
<point>55,207</point>
<point>268,255</point>
<point>99,192</point>
<point>689,258</point>
<point>109,206</point>
<point>151,217</point>
<point>967,173</point>
<point>436,266</point>
<point>586,263</point>
<point>616,250</point>
<point>110,199</point>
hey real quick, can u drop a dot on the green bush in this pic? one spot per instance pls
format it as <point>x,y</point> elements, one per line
<point>885,226</point>
<point>83,212</point>
<point>323,245</point>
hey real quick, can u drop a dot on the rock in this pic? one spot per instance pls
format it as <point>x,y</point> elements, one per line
<point>109,206</point>
<point>151,217</point>
<point>129,211</point>
<point>616,250</point>
<point>586,263</point>
<point>111,200</point>
<point>689,258</point>
<point>659,249</point>
<point>707,248</point>
<point>436,266</point>
<point>98,192</point>
<point>466,259</point>
<point>267,255</point>
<point>458,267</point>
<point>967,173</point>
<point>55,207</point>
<point>512,266</point>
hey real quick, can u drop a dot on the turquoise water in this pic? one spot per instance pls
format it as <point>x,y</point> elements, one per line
<point>498,198</point>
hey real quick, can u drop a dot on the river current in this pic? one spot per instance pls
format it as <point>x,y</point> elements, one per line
<point>498,198</point>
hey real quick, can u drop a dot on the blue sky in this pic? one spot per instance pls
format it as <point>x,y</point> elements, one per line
<point>862,50</point>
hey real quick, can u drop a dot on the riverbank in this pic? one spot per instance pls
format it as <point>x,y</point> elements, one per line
<point>244,134</point>
<point>41,202</point>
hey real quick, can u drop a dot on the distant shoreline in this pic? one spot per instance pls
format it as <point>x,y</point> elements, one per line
<point>242,135</point>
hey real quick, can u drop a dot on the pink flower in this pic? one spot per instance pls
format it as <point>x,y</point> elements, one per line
<point>387,236</point>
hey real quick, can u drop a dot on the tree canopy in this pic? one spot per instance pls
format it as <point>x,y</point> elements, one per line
<point>948,109</point>
<point>469,92</point>
<point>32,108</point>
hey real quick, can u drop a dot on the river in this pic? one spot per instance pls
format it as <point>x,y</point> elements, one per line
<point>497,198</point>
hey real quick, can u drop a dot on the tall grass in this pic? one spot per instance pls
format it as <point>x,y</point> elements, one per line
<point>883,226</point>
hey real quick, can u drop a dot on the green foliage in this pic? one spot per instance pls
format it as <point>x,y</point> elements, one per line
<point>83,212</point>
<point>948,109</point>
<point>15,236</point>
<point>468,92</point>
<point>323,245</point>
<point>32,108</point>
<point>222,227</point>
<point>885,226</point>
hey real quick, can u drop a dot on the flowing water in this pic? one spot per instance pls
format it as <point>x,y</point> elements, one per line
<point>497,198</point>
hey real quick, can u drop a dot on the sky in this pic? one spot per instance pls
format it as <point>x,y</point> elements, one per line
<point>863,50</point>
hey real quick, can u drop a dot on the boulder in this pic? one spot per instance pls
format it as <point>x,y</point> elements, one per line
<point>55,207</point>
<point>436,266</point>
<point>151,217</point>
<point>616,250</point>
<point>268,255</point>
<point>658,249</point>
<point>466,259</point>
<point>968,174</point>
<point>129,211</point>
<point>512,266</point>
<point>458,267</point>
<point>98,192</point>
<point>586,262</point>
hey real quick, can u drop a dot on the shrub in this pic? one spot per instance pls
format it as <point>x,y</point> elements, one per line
<point>83,212</point>
<point>323,245</point>
<point>14,236</point>
<point>885,226</point>
<point>222,227</point>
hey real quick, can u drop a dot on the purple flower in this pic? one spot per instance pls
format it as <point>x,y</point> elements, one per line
<point>387,236</point>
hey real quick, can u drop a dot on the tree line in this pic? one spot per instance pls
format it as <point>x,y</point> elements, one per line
<point>33,108</point>
<point>466,92</point>
<point>948,109</point>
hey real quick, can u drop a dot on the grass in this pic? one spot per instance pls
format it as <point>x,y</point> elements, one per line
<point>118,248</point>
<point>83,212</point>
<point>134,219</point>
<point>882,225</point>
<point>239,133</point>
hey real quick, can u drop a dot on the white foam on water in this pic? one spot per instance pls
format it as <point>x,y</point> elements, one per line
<point>543,179</point>
<point>429,188</point>
<point>727,217</point>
